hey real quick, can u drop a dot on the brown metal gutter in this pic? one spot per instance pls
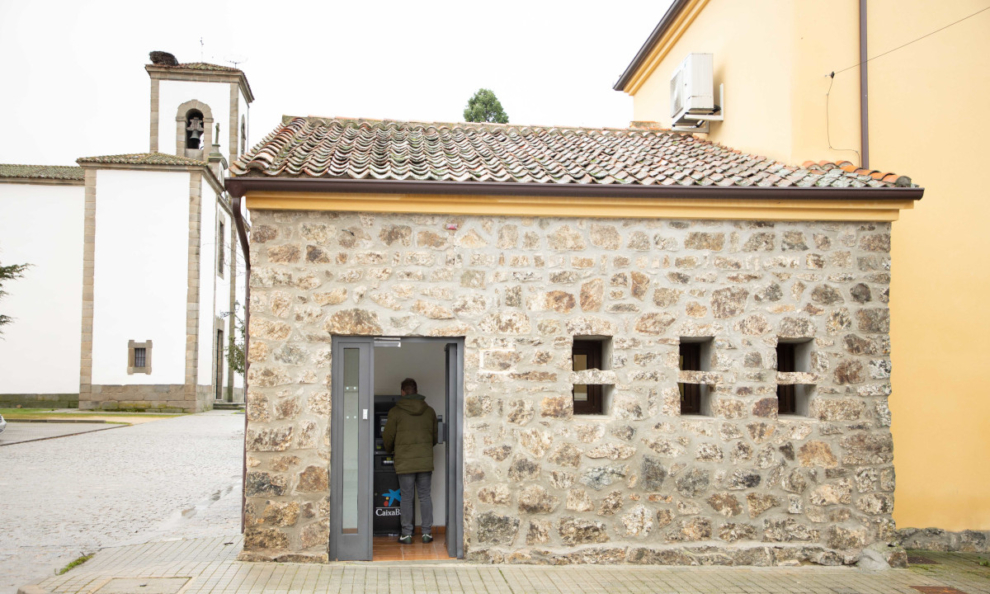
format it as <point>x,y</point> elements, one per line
<point>238,187</point>
<point>864,86</point>
<point>245,248</point>
<point>644,52</point>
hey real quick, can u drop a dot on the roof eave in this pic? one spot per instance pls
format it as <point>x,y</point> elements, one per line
<point>644,52</point>
<point>48,181</point>
<point>234,75</point>
<point>214,181</point>
<point>240,186</point>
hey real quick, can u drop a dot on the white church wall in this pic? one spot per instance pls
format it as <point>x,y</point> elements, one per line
<point>223,284</point>
<point>240,296</point>
<point>42,225</point>
<point>140,274</point>
<point>173,93</point>
<point>208,285</point>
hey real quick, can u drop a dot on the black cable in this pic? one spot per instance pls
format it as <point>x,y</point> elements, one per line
<point>912,41</point>
<point>828,132</point>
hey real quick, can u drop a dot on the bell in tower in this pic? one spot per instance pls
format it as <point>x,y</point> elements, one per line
<point>194,129</point>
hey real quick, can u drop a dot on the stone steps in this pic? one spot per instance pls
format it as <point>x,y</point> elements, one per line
<point>228,405</point>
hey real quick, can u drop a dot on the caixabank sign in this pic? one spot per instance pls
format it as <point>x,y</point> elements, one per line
<point>387,503</point>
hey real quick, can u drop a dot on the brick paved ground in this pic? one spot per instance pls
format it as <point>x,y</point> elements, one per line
<point>209,565</point>
<point>60,498</point>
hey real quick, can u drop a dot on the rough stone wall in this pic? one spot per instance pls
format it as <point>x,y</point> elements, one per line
<point>936,539</point>
<point>640,484</point>
<point>138,397</point>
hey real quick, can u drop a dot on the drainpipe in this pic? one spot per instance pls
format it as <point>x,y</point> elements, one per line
<point>242,235</point>
<point>864,102</point>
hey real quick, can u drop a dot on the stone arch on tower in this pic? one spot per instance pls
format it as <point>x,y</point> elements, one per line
<point>182,117</point>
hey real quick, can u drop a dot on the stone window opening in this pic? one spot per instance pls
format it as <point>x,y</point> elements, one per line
<point>221,250</point>
<point>243,135</point>
<point>138,357</point>
<point>695,362</point>
<point>592,378</point>
<point>194,129</point>
<point>794,378</point>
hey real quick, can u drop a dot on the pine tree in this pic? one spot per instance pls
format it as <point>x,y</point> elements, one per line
<point>485,107</point>
<point>7,273</point>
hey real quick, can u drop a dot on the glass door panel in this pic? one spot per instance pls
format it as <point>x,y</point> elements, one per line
<point>351,449</point>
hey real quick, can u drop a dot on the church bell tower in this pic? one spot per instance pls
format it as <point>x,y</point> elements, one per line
<point>198,108</point>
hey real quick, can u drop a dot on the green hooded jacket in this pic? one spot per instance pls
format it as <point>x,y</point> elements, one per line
<point>411,433</point>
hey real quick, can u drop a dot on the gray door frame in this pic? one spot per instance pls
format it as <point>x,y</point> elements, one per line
<point>454,428</point>
<point>454,441</point>
<point>355,546</point>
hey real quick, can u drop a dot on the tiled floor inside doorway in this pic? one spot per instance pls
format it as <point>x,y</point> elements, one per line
<point>387,548</point>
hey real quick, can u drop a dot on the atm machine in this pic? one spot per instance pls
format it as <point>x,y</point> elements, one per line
<point>387,517</point>
<point>386,521</point>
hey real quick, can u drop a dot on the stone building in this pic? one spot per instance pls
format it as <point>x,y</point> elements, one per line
<point>648,348</point>
<point>135,275</point>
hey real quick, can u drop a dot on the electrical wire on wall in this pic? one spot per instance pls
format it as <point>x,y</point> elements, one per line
<point>910,42</point>
<point>832,74</point>
<point>828,126</point>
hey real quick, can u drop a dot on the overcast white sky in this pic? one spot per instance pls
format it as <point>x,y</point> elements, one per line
<point>74,83</point>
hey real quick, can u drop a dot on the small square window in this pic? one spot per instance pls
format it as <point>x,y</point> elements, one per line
<point>591,353</point>
<point>695,355</point>
<point>794,356</point>
<point>138,357</point>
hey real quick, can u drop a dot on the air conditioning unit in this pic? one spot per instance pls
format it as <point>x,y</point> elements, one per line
<point>692,102</point>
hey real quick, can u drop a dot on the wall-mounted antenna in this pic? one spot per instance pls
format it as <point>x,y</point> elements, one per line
<point>200,49</point>
<point>236,59</point>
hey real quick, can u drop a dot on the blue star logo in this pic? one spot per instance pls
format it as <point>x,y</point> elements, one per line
<point>392,496</point>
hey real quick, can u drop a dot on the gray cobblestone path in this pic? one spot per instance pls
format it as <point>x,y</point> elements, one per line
<point>210,566</point>
<point>171,478</point>
<point>20,432</point>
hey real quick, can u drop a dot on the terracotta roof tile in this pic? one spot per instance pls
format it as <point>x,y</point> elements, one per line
<point>865,176</point>
<point>141,159</point>
<point>385,149</point>
<point>60,172</point>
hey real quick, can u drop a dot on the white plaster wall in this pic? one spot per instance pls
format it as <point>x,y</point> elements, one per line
<point>208,282</point>
<point>140,273</point>
<point>42,225</point>
<point>173,93</point>
<point>240,295</point>
<point>425,363</point>
<point>224,283</point>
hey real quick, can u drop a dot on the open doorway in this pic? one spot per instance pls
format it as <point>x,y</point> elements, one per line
<point>367,378</point>
<point>424,362</point>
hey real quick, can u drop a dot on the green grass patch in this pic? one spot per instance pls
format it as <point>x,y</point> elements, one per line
<point>79,561</point>
<point>31,414</point>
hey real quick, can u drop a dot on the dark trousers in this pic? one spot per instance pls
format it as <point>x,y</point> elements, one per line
<point>422,481</point>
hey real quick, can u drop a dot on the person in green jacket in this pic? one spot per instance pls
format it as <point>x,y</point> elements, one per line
<point>410,434</point>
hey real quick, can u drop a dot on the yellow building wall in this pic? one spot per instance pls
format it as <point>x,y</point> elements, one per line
<point>744,38</point>
<point>928,104</point>
<point>773,58</point>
